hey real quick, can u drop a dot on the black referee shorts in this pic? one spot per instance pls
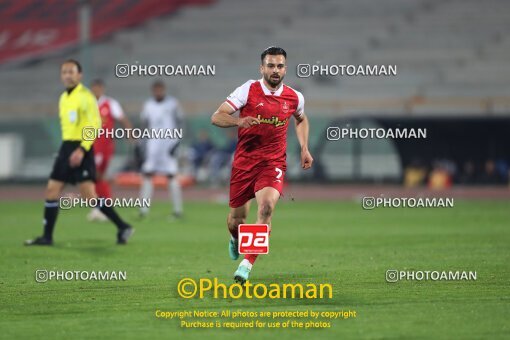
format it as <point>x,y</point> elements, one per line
<point>63,172</point>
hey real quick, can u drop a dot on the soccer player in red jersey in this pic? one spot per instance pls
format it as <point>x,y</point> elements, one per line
<point>104,147</point>
<point>265,107</point>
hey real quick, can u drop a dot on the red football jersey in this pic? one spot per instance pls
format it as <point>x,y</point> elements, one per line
<point>265,143</point>
<point>110,110</point>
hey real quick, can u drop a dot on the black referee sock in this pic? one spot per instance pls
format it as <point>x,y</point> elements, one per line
<point>50,217</point>
<point>112,216</point>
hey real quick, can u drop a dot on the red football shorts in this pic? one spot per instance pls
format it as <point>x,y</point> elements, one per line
<point>245,183</point>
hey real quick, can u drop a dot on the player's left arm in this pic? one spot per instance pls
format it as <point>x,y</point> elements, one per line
<point>302,131</point>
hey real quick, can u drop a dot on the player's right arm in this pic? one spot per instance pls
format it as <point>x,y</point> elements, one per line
<point>223,118</point>
<point>235,101</point>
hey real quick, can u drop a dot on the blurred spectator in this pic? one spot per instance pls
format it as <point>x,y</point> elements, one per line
<point>415,174</point>
<point>502,168</point>
<point>468,175</point>
<point>201,151</point>
<point>490,176</point>
<point>222,158</point>
<point>441,175</point>
<point>447,165</point>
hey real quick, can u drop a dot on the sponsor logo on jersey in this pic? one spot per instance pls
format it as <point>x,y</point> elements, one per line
<point>273,120</point>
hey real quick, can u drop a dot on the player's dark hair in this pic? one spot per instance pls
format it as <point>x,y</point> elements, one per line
<point>73,61</point>
<point>98,81</point>
<point>273,50</point>
<point>158,83</point>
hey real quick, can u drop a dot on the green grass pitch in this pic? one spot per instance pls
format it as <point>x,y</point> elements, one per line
<point>334,242</point>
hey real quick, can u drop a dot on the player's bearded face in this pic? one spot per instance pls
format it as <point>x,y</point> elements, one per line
<point>273,69</point>
<point>158,92</point>
<point>70,75</point>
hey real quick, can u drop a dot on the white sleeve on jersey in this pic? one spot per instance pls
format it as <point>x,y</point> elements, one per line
<point>116,109</point>
<point>301,105</point>
<point>239,97</point>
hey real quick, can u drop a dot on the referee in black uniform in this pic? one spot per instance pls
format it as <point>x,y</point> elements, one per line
<point>75,161</point>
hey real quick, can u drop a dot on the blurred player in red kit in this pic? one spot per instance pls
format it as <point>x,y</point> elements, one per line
<point>104,147</point>
<point>265,107</point>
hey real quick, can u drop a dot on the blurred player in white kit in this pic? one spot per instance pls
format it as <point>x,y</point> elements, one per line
<point>159,113</point>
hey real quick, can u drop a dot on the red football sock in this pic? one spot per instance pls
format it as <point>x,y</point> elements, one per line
<point>251,257</point>
<point>103,189</point>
